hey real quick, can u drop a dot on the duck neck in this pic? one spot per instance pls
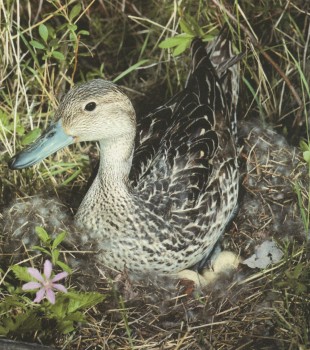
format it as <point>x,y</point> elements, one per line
<point>115,161</point>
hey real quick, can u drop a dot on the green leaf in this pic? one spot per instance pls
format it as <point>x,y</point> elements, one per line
<point>43,31</point>
<point>64,266</point>
<point>59,238</point>
<point>51,31</point>
<point>55,256</point>
<point>181,48</point>
<point>65,326</point>
<point>282,284</point>
<point>300,288</point>
<point>31,136</point>
<point>304,146</point>
<point>20,130</point>
<point>72,27</point>
<point>175,41</point>
<point>58,55</point>
<point>21,273</point>
<point>129,70</point>
<point>307,156</point>
<point>193,24</point>
<point>73,37</point>
<point>10,302</point>
<point>76,316</point>
<point>37,45</point>
<point>209,37</point>
<point>186,27</point>
<point>54,43</point>
<point>40,249</point>
<point>298,271</point>
<point>22,322</point>
<point>60,309</point>
<point>42,234</point>
<point>72,177</point>
<point>83,32</point>
<point>4,331</point>
<point>4,118</point>
<point>75,11</point>
<point>83,300</point>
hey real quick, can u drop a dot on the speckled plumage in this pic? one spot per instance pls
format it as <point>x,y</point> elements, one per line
<point>168,185</point>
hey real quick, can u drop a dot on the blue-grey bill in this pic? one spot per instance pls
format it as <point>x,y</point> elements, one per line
<point>53,139</point>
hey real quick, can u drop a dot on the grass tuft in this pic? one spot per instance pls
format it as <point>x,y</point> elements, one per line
<point>47,47</point>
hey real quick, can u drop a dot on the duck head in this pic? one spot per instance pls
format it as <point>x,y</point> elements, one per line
<point>93,111</point>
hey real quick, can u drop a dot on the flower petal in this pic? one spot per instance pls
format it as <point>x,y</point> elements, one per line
<point>60,287</point>
<point>35,273</point>
<point>31,286</point>
<point>40,295</point>
<point>50,295</point>
<point>60,276</point>
<point>47,269</point>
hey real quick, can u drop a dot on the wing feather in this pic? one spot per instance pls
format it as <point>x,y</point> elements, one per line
<point>185,149</point>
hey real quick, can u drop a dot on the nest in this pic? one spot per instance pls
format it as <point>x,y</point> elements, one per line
<point>241,309</point>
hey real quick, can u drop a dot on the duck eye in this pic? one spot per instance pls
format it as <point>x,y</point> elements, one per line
<point>90,106</point>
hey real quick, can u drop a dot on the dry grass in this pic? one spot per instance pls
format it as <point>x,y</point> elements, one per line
<point>246,310</point>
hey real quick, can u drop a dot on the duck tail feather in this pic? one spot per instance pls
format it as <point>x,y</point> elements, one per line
<point>226,64</point>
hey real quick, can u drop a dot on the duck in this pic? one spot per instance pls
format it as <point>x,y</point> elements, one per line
<point>167,183</point>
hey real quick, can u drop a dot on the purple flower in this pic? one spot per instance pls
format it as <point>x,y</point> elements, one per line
<point>45,283</point>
